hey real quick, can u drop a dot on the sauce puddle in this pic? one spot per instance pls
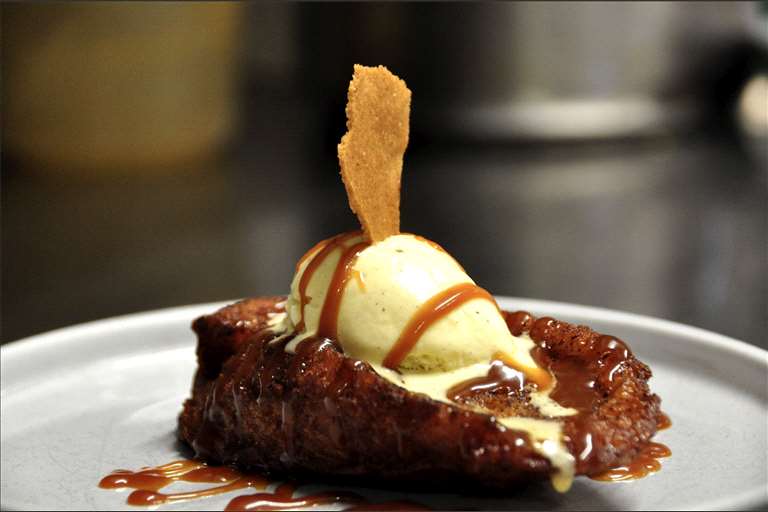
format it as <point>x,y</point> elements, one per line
<point>580,383</point>
<point>283,498</point>
<point>664,422</point>
<point>644,464</point>
<point>147,483</point>
<point>429,312</point>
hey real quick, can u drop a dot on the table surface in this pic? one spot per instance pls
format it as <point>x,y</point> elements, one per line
<point>671,227</point>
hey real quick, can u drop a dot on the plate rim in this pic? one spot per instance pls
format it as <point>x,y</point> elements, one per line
<point>697,335</point>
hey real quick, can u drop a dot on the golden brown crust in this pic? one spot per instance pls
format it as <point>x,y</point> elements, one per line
<point>371,152</point>
<point>319,412</point>
<point>626,416</point>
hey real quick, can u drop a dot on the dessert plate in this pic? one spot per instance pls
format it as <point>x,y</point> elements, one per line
<point>80,402</point>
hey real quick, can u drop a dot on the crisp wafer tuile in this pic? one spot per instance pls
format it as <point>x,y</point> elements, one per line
<point>371,152</point>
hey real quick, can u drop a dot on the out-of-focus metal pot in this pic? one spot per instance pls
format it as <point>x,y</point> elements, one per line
<point>533,69</point>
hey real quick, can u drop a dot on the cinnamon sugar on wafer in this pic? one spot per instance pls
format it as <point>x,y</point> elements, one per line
<point>371,152</point>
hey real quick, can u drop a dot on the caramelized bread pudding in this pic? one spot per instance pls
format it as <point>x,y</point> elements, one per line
<point>320,412</point>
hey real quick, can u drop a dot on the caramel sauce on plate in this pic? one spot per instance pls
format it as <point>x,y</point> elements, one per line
<point>283,498</point>
<point>664,422</point>
<point>147,482</point>
<point>644,464</point>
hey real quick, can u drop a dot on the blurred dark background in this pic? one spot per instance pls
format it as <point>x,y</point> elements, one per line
<point>160,154</point>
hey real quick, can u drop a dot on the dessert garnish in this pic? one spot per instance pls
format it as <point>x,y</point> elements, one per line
<point>371,152</point>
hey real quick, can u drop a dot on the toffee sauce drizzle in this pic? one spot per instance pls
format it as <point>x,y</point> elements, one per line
<point>578,385</point>
<point>329,317</point>
<point>581,386</point>
<point>283,498</point>
<point>428,313</point>
<point>664,422</point>
<point>435,308</point>
<point>318,254</point>
<point>644,464</point>
<point>147,482</point>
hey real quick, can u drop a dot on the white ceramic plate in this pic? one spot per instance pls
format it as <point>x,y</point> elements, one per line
<point>80,402</point>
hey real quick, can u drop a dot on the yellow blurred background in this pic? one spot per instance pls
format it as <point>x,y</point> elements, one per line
<point>119,86</point>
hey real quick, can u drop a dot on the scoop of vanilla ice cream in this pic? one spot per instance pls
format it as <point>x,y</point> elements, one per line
<point>392,279</point>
